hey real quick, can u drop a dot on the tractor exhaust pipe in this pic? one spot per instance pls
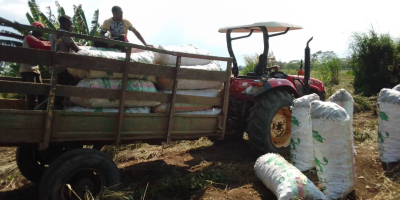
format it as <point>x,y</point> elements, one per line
<point>307,66</point>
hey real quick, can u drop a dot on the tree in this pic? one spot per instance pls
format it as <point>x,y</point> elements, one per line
<point>49,21</point>
<point>374,59</point>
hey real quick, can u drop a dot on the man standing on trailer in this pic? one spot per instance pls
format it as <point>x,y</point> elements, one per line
<point>31,73</point>
<point>63,44</point>
<point>118,27</point>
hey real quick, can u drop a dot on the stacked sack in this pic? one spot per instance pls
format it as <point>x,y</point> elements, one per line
<point>108,80</point>
<point>301,142</point>
<point>334,158</point>
<point>344,99</point>
<point>388,125</point>
<point>202,88</point>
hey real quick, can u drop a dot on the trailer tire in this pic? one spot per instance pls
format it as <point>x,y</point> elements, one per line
<point>270,115</point>
<point>80,168</point>
<point>29,164</point>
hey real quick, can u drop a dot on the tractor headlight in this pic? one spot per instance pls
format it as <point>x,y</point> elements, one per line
<point>264,78</point>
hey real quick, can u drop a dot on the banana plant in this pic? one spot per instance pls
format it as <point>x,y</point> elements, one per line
<point>81,26</point>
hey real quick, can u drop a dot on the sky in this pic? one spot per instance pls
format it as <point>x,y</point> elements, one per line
<point>180,22</point>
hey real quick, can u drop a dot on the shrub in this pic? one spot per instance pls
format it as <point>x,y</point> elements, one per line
<point>374,59</point>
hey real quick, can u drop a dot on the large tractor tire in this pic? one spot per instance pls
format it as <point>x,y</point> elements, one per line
<point>76,172</point>
<point>29,163</point>
<point>269,123</point>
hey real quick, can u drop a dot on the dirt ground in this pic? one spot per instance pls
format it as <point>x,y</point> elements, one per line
<point>200,170</point>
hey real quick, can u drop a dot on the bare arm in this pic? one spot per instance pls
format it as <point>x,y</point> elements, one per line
<point>74,47</point>
<point>139,36</point>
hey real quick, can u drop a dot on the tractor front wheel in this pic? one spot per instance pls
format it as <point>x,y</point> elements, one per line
<point>269,123</point>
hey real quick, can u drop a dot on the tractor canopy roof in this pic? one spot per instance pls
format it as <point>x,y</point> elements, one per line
<point>271,27</point>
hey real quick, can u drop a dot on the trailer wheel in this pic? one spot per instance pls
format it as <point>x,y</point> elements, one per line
<point>74,173</point>
<point>29,163</point>
<point>269,123</point>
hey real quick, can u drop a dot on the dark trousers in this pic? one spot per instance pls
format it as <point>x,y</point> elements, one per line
<point>63,78</point>
<point>30,99</point>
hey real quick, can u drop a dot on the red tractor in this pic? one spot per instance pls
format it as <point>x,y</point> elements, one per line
<point>260,102</point>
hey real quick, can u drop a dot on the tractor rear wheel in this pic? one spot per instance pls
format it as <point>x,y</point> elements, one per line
<point>269,123</point>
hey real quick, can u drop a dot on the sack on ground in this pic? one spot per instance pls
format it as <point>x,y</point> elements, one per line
<point>344,99</point>
<point>301,143</point>
<point>285,180</point>
<point>184,107</point>
<point>388,125</point>
<point>334,158</point>
<point>132,85</point>
<point>166,59</point>
<point>109,110</point>
<point>185,84</point>
<point>143,57</point>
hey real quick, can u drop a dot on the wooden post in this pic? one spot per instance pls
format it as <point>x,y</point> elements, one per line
<point>226,98</point>
<point>123,94</point>
<point>50,104</point>
<point>171,107</point>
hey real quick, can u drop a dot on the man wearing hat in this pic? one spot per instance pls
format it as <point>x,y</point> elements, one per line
<point>31,73</point>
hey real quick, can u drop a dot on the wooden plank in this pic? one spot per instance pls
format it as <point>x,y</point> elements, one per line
<point>66,60</point>
<point>172,105</point>
<point>198,74</point>
<point>62,90</point>
<point>21,126</point>
<point>18,79</point>
<point>76,126</point>
<point>109,41</point>
<point>23,87</point>
<point>122,96</point>
<point>16,104</point>
<point>226,98</point>
<point>50,104</point>
<point>206,57</point>
<point>25,55</point>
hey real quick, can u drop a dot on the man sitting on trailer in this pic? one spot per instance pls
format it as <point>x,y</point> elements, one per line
<point>63,44</point>
<point>118,27</point>
<point>31,73</point>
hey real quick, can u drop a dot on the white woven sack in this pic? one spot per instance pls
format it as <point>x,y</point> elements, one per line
<point>184,107</point>
<point>397,88</point>
<point>109,110</point>
<point>301,143</point>
<point>143,57</point>
<point>334,158</point>
<point>105,83</point>
<point>345,100</point>
<point>166,59</point>
<point>185,84</point>
<point>285,180</point>
<point>388,123</point>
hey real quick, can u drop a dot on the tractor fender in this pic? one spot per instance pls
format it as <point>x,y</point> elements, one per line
<point>277,84</point>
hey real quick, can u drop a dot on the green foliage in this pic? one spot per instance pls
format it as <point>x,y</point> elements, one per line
<point>47,23</point>
<point>34,10</point>
<point>375,61</point>
<point>361,103</point>
<point>9,69</point>
<point>250,62</point>
<point>30,19</point>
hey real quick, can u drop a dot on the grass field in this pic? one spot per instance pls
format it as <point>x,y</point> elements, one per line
<point>200,170</point>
